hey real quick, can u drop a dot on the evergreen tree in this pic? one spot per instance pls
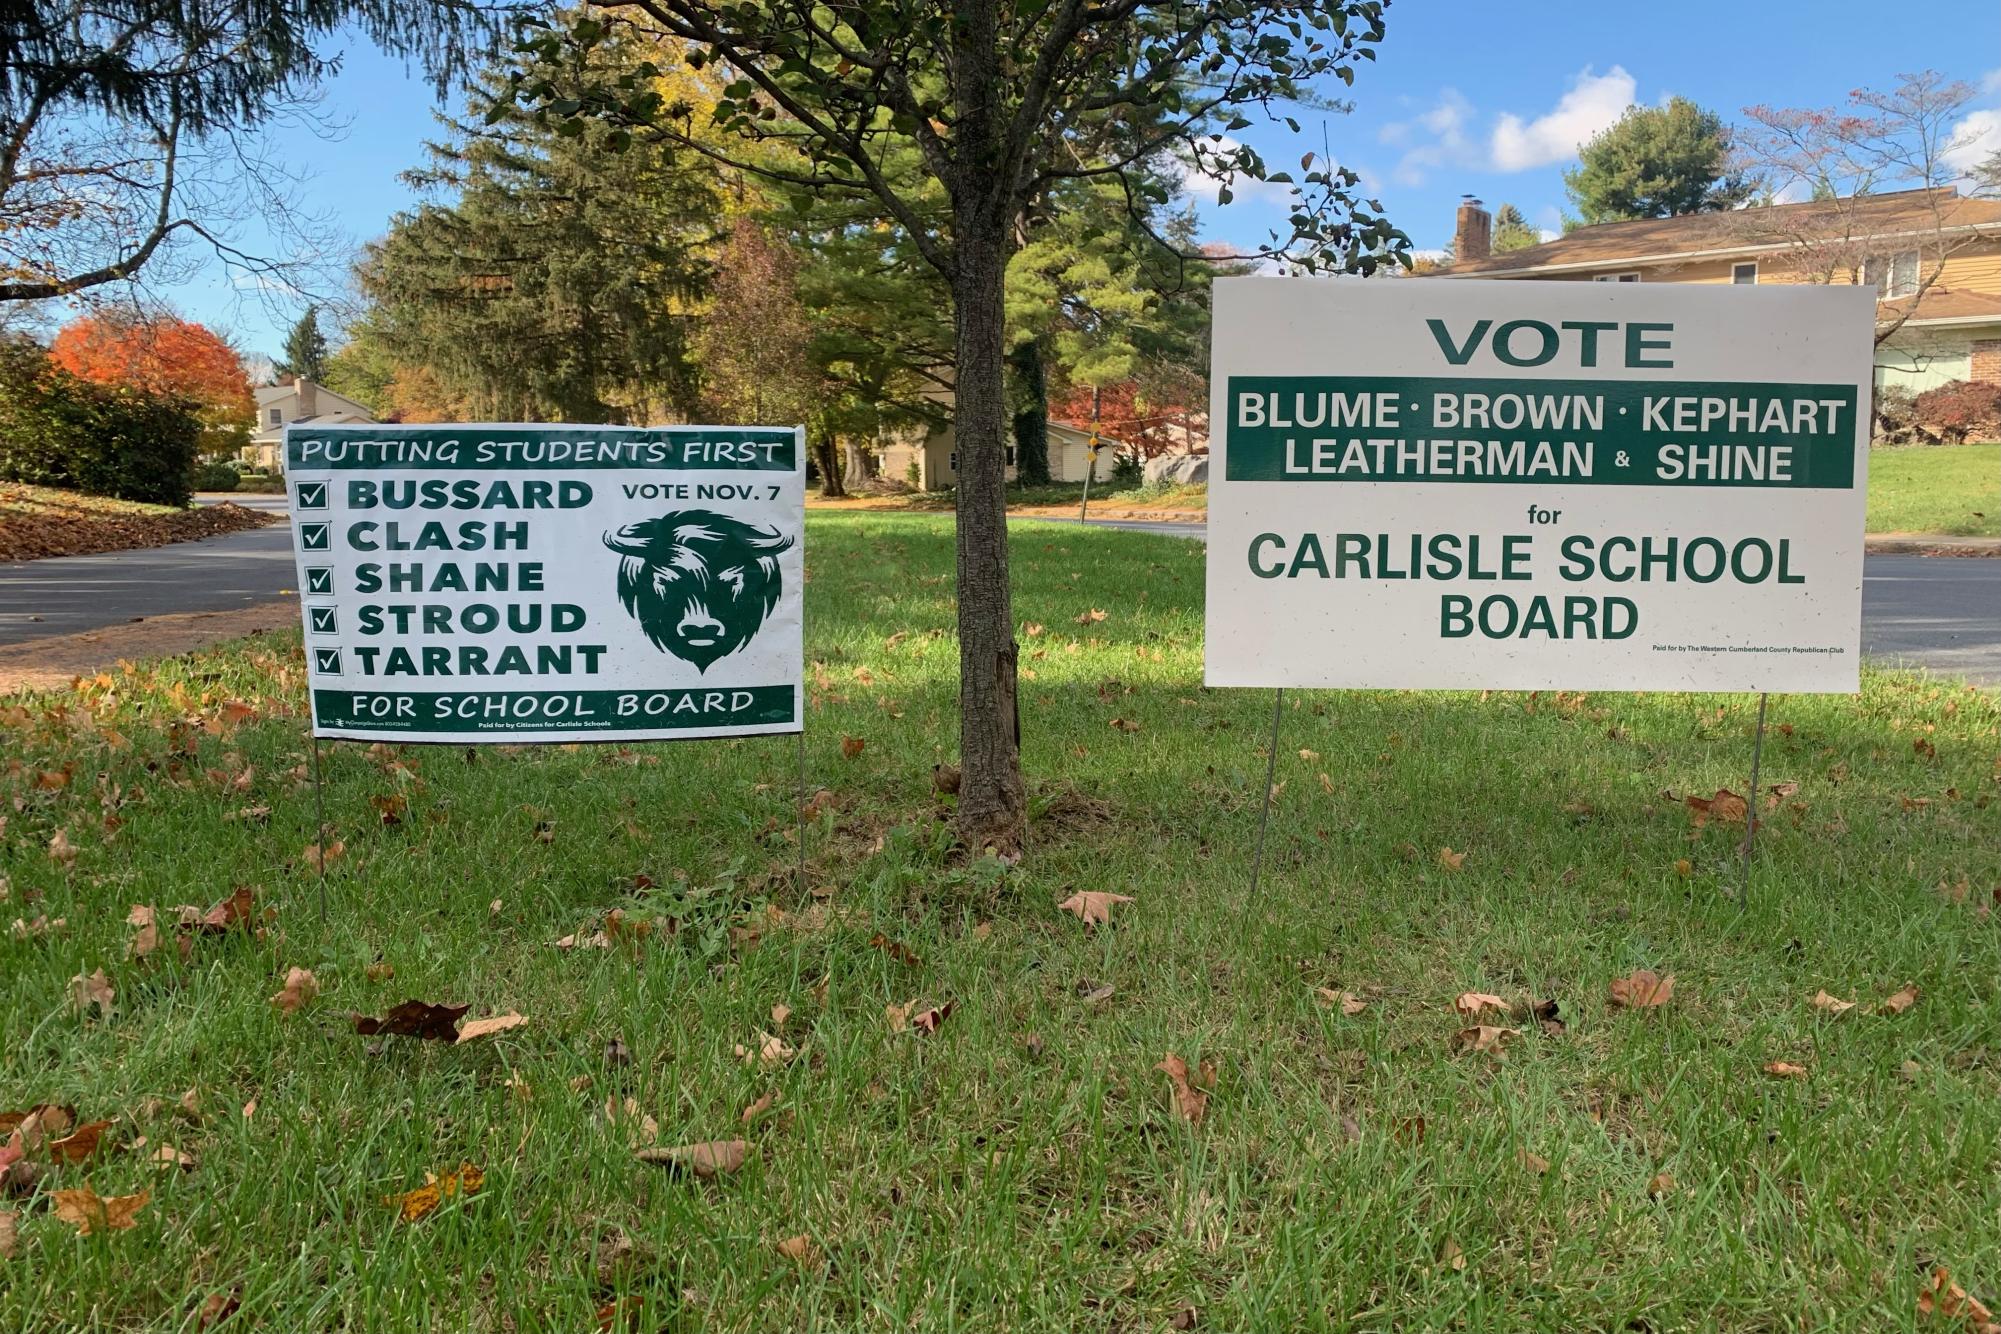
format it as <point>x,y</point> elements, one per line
<point>1512,230</point>
<point>306,349</point>
<point>556,274</point>
<point>1657,162</point>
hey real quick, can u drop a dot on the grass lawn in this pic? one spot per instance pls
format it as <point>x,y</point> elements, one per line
<point>1054,496</point>
<point>1953,489</point>
<point>1024,1166</point>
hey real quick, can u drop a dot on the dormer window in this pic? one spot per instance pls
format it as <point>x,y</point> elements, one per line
<point>274,416</point>
<point>1893,276</point>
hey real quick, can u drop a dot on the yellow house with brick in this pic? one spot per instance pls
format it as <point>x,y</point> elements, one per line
<point>1934,257</point>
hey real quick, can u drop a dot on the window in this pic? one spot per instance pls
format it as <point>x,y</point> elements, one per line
<point>274,416</point>
<point>1892,276</point>
<point>1744,273</point>
<point>1616,278</point>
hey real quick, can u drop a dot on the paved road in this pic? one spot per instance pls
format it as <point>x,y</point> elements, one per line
<point>1939,612</point>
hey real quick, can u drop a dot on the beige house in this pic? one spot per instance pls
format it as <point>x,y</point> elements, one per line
<point>936,457</point>
<point>1934,257</point>
<point>282,405</point>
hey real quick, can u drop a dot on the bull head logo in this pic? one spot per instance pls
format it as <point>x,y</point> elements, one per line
<point>699,583</point>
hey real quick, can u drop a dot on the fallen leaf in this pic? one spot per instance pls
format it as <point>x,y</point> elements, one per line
<point>770,1051</point>
<point>239,908</point>
<point>415,1019</point>
<point>596,940</point>
<point>851,746</point>
<point>1488,1038</point>
<point>758,1108</point>
<point>1941,1296</point>
<point>1642,990</point>
<point>898,1015</point>
<point>1450,860</point>
<point>1091,617</point>
<point>89,1213</point>
<point>711,1158</point>
<point>94,991</point>
<point>1124,725</point>
<point>60,850</point>
<point>479,1028</point>
<point>465,1179</point>
<point>169,1156</point>
<point>799,1250</point>
<point>1833,1006</point>
<point>1191,1102</point>
<point>1726,807</point>
<point>933,1019</point>
<point>1450,1256</point>
<point>299,989</point>
<point>1785,1070</point>
<point>1092,907</point>
<point>1660,1186</point>
<point>1096,994</point>
<point>1186,1318</point>
<point>147,938</point>
<point>318,858</point>
<point>779,1014</point>
<point>219,1307</point>
<point>81,1143</point>
<point>1349,1002</point>
<point>9,1234</point>
<point>1900,1000</point>
<point>895,949</point>
<point>1471,1003</point>
<point>379,972</point>
<point>1534,1162</point>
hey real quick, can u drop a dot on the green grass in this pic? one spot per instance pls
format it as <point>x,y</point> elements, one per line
<point>1023,1168</point>
<point>1951,489</point>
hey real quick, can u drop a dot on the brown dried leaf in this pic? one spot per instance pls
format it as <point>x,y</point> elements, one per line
<point>89,1213</point>
<point>415,1019</point>
<point>758,1108</point>
<point>895,949</point>
<point>299,989</point>
<point>1450,860</point>
<point>1470,1004</point>
<point>1533,1162</point>
<point>1726,807</point>
<point>479,1028</point>
<point>1091,617</point>
<point>317,858</point>
<point>1488,1038</point>
<point>710,1158</point>
<point>931,1020</point>
<point>1191,1102</point>
<point>1832,1006</point>
<point>1660,1186</point>
<point>93,992</point>
<point>10,1236</point>
<point>1941,1296</point>
<point>852,746</point>
<point>1092,907</point>
<point>1349,1002</point>
<point>147,938</point>
<point>1784,1070</point>
<point>82,1143</point>
<point>61,851</point>
<point>1900,1000</point>
<point>219,1307</point>
<point>465,1179</point>
<point>800,1250</point>
<point>1642,990</point>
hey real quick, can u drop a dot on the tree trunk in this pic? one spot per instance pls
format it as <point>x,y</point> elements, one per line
<point>992,804</point>
<point>828,452</point>
<point>861,462</point>
<point>1031,417</point>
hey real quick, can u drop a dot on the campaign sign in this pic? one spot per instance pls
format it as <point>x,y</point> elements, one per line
<point>482,582</point>
<point>1447,484</point>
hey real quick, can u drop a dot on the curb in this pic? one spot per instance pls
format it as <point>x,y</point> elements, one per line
<point>1919,544</point>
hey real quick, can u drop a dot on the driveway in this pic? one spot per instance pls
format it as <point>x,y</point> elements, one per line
<point>1943,613</point>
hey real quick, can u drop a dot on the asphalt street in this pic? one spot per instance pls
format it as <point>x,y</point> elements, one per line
<point>1939,612</point>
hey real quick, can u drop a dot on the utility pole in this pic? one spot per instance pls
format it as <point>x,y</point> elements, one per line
<point>1090,454</point>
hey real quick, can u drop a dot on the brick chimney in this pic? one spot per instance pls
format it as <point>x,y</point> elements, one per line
<point>309,396</point>
<point>1473,237</point>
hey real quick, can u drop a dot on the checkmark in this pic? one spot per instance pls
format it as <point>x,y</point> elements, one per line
<point>325,620</point>
<point>319,578</point>
<point>316,536</point>
<point>312,495</point>
<point>326,661</point>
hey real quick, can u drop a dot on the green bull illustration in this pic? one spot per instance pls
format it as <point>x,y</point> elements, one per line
<point>699,583</point>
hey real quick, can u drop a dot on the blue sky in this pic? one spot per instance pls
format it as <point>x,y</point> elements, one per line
<point>1466,97</point>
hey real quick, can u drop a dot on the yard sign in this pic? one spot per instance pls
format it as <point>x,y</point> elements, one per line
<point>1438,484</point>
<point>502,583</point>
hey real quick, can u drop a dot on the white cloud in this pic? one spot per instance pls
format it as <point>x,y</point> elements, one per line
<point>1432,139</point>
<point>1592,103</point>
<point>1973,140</point>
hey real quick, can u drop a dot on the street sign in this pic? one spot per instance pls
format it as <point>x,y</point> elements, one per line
<point>1444,484</point>
<point>485,582</point>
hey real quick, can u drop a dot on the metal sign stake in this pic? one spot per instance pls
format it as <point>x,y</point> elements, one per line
<point>1751,807</point>
<point>1271,771</point>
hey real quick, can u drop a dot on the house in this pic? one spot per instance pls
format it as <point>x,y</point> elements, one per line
<point>930,458</point>
<point>282,405</point>
<point>1934,257</point>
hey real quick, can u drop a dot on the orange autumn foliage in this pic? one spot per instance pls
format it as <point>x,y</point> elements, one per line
<point>164,356</point>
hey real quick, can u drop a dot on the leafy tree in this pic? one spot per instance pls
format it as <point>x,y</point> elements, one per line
<point>556,274</point>
<point>1512,230</point>
<point>106,439</point>
<point>1004,101</point>
<point>306,349</point>
<point>128,125</point>
<point>164,356</point>
<point>1657,162</point>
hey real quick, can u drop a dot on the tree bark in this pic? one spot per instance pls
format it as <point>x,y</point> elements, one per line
<point>992,804</point>
<point>861,463</point>
<point>828,452</point>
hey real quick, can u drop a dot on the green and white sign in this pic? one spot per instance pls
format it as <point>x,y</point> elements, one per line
<point>1437,484</point>
<point>487,582</point>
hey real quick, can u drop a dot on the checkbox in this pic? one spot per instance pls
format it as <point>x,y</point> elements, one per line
<point>326,661</point>
<point>316,536</point>
<point>312,496</point>
<point>325,620</point>
<point>319,579</point>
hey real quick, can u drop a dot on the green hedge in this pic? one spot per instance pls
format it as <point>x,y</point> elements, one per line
<point>58,430</point>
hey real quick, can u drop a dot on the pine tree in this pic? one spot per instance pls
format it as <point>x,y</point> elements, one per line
<point>306,349</point>
<point>1512,230</point>
<point>1657,162</point>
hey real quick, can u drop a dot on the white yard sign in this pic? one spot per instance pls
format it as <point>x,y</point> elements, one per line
<point>1438,484</point>
<point>502,583</point>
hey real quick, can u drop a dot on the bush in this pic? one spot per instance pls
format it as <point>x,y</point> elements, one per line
<point>1127,470</point>
<point>1894,415</point>
<point>1959,408</point>
<point>58,430</point>
<point>216,475</point>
